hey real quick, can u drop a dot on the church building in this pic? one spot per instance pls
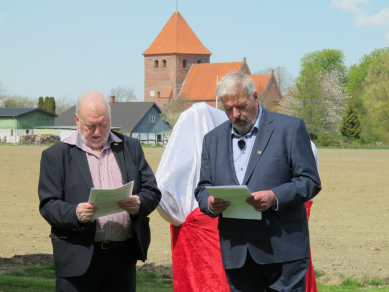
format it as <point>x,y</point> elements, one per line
<point>177,65</point>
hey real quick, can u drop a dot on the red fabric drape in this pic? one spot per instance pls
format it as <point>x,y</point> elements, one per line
<point>310,276</point>
<point>197,262</point>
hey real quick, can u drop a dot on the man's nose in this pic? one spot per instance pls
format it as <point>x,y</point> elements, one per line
<point>97,131</point>
<point>235,112</point>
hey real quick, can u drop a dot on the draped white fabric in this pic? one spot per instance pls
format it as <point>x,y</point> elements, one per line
<point>179,170</point>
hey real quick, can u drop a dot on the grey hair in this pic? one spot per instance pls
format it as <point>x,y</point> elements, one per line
<point>83,98</point>
<point>234,82</point>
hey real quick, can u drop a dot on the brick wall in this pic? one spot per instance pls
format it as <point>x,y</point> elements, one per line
<point>173,75</point>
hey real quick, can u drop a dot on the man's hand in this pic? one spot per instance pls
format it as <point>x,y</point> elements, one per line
<point>85,211</point>
<point>263,200</point>
<point>131,204</point>
<point>217,206</point>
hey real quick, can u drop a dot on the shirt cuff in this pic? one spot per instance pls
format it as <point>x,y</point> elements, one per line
<point>212,214</point>
<point>275,207</point>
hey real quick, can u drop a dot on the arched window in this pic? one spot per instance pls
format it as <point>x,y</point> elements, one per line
<point>158,95</point>
<point>184,64</point>
<point>199,61</point>
<point>163,63</point>
<point>156,64</point>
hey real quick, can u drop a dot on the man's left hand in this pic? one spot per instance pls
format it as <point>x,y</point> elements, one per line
<point>131,204</point>
<point>263,200</point>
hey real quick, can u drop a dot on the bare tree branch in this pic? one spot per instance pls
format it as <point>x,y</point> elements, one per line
<point>123,93</point>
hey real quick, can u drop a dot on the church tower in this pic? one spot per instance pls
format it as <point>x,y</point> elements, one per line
<point>169,59</point>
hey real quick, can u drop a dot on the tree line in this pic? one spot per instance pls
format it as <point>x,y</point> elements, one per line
<point>60,105</point>
<point>335,100</point>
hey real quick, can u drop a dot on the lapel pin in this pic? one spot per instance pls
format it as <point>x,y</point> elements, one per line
<point>259,152</point>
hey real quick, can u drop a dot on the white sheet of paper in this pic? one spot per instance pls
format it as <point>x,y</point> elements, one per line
<point>108,200</point>
<point>237,196</point>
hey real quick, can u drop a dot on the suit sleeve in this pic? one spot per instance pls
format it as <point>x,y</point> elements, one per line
<point>149,195</point>
<point>305,183</point>
<point>201,193</point>
<point>52,207</point>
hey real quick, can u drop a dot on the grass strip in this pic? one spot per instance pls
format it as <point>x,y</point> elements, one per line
<point>346,288</point>
<point>42,279</point>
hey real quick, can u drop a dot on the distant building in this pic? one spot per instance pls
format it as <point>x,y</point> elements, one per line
<point>140,120</point>
<point>177,65</point>
<point>17,121</point>
<point>169,59</point>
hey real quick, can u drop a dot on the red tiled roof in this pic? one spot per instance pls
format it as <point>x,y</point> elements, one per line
<point>260,82</point>
<point>166,91</point>
<point>200,83</point>
<point>177,37</point>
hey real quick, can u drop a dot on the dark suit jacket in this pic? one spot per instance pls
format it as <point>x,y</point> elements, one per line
<point>285,165</point>
<point>65,181</point>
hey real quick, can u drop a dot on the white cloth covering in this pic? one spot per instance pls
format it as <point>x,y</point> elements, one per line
<point>179,170</point>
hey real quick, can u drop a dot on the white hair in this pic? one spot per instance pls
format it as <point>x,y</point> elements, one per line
<point>85,97</point>
<point>234,82</point>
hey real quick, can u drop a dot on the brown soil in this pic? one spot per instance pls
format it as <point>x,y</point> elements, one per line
<point>349,218</point>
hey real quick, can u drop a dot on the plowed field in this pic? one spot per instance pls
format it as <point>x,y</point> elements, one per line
<point>349,218</point>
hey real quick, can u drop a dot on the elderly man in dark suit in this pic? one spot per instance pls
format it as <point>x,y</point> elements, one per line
<point>96,254</point>
<point>271,154</point>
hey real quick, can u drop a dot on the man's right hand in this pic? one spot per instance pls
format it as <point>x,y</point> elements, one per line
<point>217,206</point>
<point>85,211</point>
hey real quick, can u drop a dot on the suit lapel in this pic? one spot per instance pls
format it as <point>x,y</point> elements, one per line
<point>230,162</point>
<point>117,149</point>
<point>82,164</point>
<point>265,131</point>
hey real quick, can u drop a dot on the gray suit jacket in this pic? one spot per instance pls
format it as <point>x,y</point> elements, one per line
<point>65,181</point>
<point>281,161</point>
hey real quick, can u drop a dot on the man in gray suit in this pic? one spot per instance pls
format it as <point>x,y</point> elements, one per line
<point>271,154</point>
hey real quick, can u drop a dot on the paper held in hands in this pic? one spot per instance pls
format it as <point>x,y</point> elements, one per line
<point>107,200</point>
<point>237,196</point>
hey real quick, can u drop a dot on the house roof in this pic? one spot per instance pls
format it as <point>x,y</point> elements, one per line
<point>18,111</point>
<point>166,92</point>
<point>125,115</point>
<point>200,83</point>
<point>177,38</point>
<point>260,82</point>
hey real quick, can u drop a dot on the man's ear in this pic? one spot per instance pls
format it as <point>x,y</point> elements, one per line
<point>77,120</point>
<point>255,95</point>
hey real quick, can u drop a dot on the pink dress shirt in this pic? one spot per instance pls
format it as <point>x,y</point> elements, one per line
<point>105,174</point>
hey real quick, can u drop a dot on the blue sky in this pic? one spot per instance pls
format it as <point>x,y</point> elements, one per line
<point>67,47</point>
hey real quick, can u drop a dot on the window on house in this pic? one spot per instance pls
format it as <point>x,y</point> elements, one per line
<point>158,95</point>
<point>27,131</point>
<point>156,64</point>
<point>12,133</point>
<point>152,119</point>
<point>184,64</point>
<point>163,63</point>
<point>199,61</point>
<point>159,138</point>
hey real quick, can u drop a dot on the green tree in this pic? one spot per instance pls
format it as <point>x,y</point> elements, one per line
<point>46,104</point>
<point>51,106</point>
<point>319,92</point>
<point>351,123</point>
<point>40,102</point>
<point>308,92</point>
<point>326,60</point>
<point>375,96</point>
<point>358,72</point>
